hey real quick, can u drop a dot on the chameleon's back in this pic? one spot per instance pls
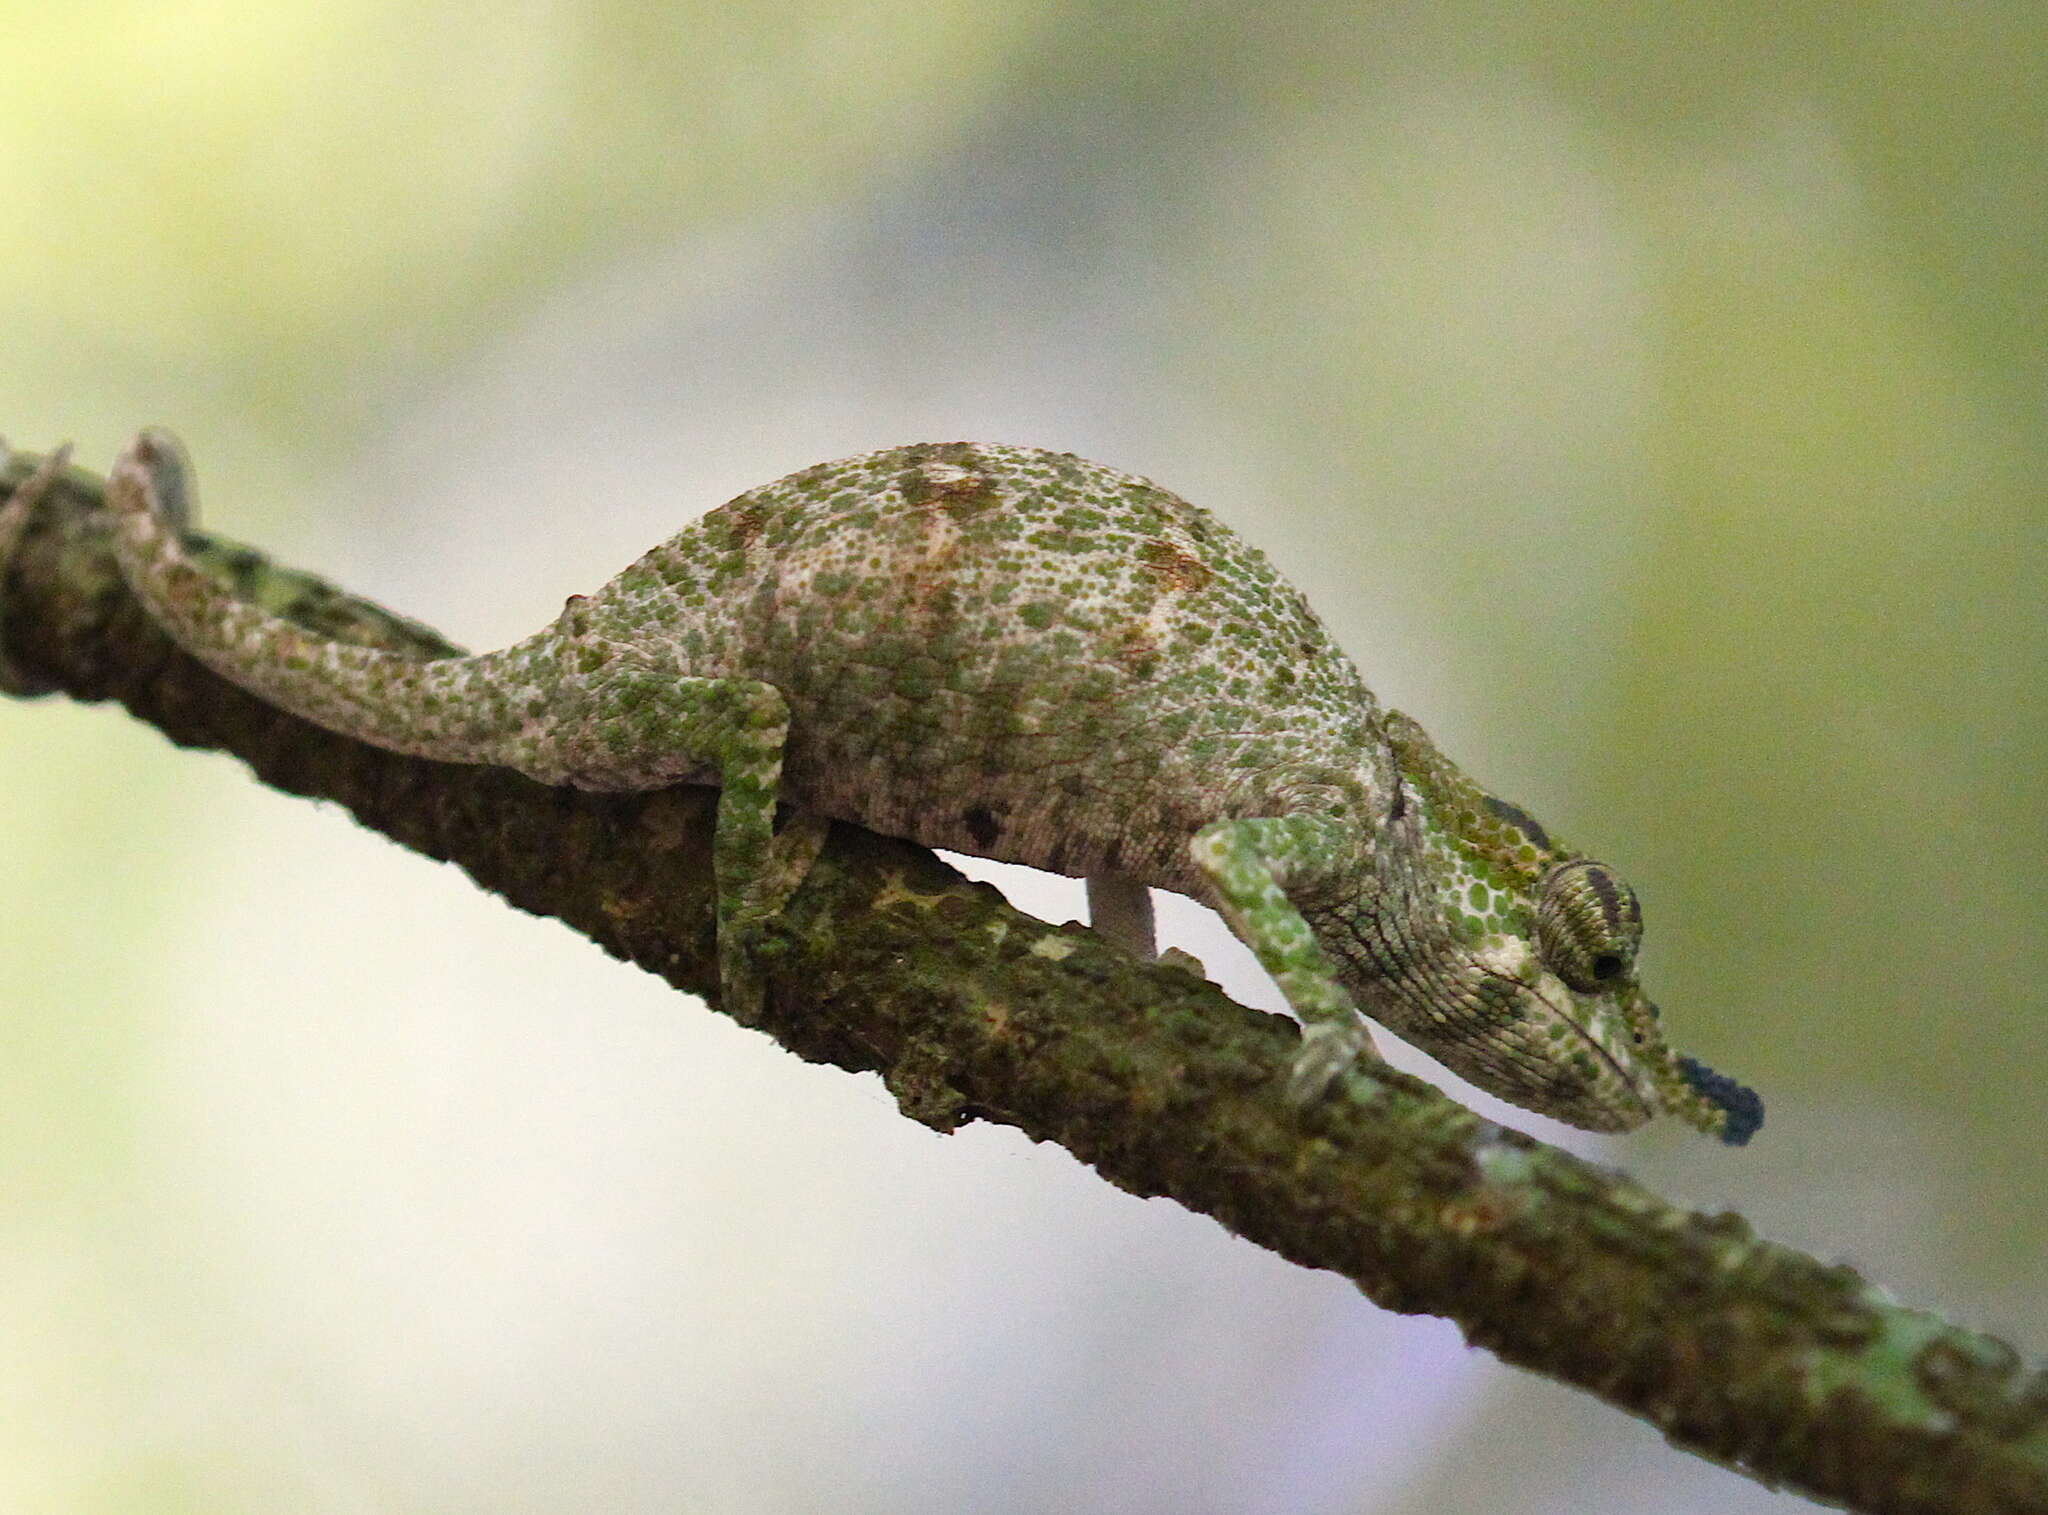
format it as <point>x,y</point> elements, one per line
<point>1012,653</point>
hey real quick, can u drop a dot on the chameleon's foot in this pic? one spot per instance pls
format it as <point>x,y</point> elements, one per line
<point>1328,1049</point>
<point>745,943</point>
<point>742,989</point>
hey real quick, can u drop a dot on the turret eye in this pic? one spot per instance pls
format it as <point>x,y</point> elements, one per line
<point>1588,925</point>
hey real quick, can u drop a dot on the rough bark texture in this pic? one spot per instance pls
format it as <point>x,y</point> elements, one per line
<point>1796,1372</point>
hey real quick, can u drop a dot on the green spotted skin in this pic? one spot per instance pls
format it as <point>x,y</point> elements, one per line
<point>1021,655</point>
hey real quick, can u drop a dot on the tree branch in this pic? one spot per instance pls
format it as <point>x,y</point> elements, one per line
<point>1791,1370</point>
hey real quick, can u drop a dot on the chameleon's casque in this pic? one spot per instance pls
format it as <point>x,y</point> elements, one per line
<point>1021,655</point>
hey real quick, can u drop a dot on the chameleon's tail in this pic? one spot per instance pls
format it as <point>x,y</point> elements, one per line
<point>457,709</point>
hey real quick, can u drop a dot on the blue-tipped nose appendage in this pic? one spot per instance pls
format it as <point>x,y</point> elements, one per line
<point>1743,1106</point>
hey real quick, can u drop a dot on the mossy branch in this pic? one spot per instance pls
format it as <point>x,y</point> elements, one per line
<point>1793,1371</point>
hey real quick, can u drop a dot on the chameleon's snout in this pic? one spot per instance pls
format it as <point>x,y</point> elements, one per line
<point>1688,1088</point>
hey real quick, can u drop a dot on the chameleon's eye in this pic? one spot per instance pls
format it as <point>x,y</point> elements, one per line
<point>1588,925</point>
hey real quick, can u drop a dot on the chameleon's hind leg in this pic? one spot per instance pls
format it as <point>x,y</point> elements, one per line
<point>1248,861</point>
<point>756,869</point>
<point>648,726</point>
<point>754,883</point>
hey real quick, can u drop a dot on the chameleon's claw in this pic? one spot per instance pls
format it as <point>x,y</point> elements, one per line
<point>1328,1049</point>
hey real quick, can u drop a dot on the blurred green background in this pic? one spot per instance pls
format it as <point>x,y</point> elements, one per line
<point>1651,398</point>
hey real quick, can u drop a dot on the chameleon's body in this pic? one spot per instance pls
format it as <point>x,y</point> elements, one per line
<point>1021,655</point>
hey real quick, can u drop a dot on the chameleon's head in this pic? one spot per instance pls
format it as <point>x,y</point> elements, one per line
<point>1588,925</point>
<point>1530,987</point>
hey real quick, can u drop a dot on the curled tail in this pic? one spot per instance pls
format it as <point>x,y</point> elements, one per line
<point>456,709</point>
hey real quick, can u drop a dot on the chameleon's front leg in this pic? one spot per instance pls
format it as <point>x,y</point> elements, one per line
<point>1248,861</point>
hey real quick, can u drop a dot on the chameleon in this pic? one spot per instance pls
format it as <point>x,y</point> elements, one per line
<point>1021,655</point>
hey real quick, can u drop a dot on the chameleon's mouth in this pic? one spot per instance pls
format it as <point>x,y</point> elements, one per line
<point>1615,1093</point>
